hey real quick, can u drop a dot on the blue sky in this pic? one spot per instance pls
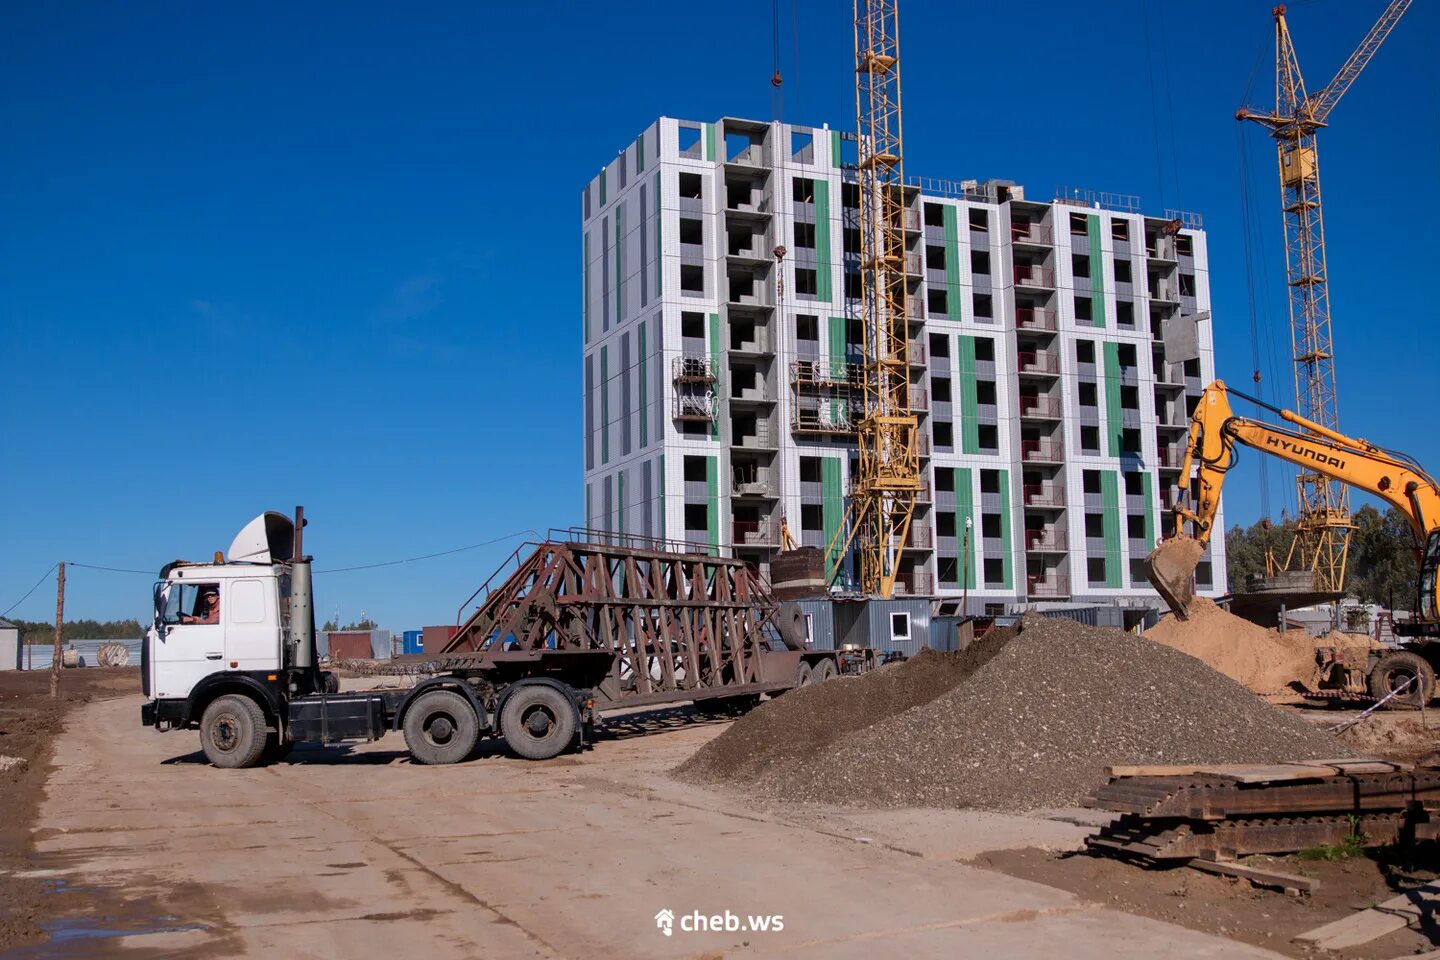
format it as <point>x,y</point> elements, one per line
<point>326,253</point>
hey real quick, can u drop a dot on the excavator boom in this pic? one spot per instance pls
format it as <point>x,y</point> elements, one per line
<point>1214,432</point>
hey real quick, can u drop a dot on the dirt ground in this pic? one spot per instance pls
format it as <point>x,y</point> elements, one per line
<point>146,851</point>
<point>29,724</point>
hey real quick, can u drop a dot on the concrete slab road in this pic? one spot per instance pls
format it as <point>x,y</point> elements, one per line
<point>359,853</point>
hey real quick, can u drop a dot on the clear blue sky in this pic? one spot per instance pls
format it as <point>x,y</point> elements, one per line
<point>275,253</point>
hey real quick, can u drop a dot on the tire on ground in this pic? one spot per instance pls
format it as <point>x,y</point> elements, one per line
<point>804,675</point>
<point>276,748</point>
<point>1393,670</point>
<point>232,732</point>
<point>824,670</point>
<point>539,721</point>
<point>441,727</point>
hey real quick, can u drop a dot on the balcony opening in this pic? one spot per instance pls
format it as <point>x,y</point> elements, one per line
<point>802,147</point>
<point>1095,571</point>
<point>692,326</point>
<point>854,289</point>
<point>1084,351</point>
<point>984,307</point>
<point>988,437</point>
<point>936,301</point>
<point>688,141</point>
<point>692,186</point>
<point>1135,527</point>
<point>812,518</point>
<point>1079,225</point>
<point>806,282</point>
<point>1184,245</point>
<point>990,526</point>
<point>810,469</point>
<point>1088,394</point>
<point>805,236</point>
<point>1125,313</point>
<point>940,389</point>
<point>696,469</point>
<point>935,257</point>
<point>994,572</point>
<point>1090,439</point>
<point>742,287</point>
<point>1130,441</point>
<point>850,196</point>
<point>1129,398</point>
<point>804,189</point>
<point>944,432</point>
<point>1122,271</point>
<point>1120,229</point>
<point>939,345</point>
<point>944,524</point>
<point>934,215</point>
<point>984,350</point>
<point>949,569</point>
<point>1080,266</point>
<point>691,231</point>
<point>979,219</point>
<point>692,278</point>
<point>989,481</point>
<point>945,480</point>
<point>697,516</point>
<point>979,263</point>
<point>1083,310</point>
<point>1090,480</point>
<point>850,238</point>
<point>1134,486</point>
<point>807,327</point>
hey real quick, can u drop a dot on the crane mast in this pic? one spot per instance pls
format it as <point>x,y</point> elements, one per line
<point>883,494</point>
<point>1323,538</point>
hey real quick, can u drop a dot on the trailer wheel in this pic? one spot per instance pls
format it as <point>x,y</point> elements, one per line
<point>539,721</point>
<point>232,732</point>
<point>441,727</point>
<point>824,670</point>
<point>804,675</point>
<point>1396,668</point>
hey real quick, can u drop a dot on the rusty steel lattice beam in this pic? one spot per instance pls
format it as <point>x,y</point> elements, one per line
<point>672,621</point>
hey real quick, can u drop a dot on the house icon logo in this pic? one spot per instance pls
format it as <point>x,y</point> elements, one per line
<point>665,920</point>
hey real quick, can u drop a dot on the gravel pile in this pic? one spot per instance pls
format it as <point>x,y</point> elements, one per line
<point>788,729</point>
<point>1035,727</point>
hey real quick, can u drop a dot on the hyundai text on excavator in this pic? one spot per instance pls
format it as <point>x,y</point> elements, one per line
<point>1395,478</point>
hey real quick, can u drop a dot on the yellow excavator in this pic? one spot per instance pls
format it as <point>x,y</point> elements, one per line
<point>1215,431</point>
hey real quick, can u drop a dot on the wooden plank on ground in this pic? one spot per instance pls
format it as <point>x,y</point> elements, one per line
<point>1394,914</point>
<point>1152,770</point>
<point>1359,765</point>
<point>1260,876</point>
<point>1270,773</point>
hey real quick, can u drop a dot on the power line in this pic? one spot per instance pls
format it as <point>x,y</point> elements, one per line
<point>91,566</point>
<point>431,556</point>
<point>42,579</point>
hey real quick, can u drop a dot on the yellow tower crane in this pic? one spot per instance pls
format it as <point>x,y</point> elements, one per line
<point>1323,539</point>
<point>883,493</point>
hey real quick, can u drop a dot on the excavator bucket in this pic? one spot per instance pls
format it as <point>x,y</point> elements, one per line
<point>1171,568</point>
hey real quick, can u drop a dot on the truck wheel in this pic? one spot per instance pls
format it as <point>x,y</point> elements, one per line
<point>441,727</point>
<point>539,721</point>
<point>232,732</point>
<point>824,670</point>
<point>804,675</point>
<point>1393,670</point>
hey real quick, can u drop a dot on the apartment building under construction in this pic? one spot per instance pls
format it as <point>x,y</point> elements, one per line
<point>722,350</point>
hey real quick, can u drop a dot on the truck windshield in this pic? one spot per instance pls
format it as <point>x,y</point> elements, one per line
<point>186,603</point>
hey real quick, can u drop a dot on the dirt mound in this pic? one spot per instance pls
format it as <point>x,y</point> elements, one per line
<point>1036,725</point>
<point>787,729</point>
<point>1266,661</point>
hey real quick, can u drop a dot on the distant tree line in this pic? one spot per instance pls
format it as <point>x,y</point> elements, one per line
<point>38,631</point>
<point>1381,567</point>
<point>364,623</point>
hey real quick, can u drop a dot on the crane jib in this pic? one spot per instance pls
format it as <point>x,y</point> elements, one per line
<point>1305,453</point>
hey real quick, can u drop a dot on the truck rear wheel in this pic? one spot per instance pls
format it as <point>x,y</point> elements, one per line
<point>441,727</point>
<point>804,675</point>
<point>824,670</point>
<point>539,721</point>
<point>1393,670</point>
<point>232,732</point>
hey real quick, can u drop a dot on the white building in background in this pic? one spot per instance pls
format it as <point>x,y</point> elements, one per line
<point>720,373</point>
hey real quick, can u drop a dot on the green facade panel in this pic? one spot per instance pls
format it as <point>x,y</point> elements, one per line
<point>835,149</point>
<point>837,347</point>
<point>832,506</point>
<point>604,196</point>
<point>710,142</point>
<point>1148,489</point>
<point>969,396</point>
<point>659,250</point>
<point>585,285</point>
<point>965,513</point>
<point>1114,419</point>
<point>824,266</point>
<point>712,488</point>
<point>1110,504</point>
<point>619,262</point>
<point>620,501</point>
<point>954,302</point>
<point>1009,582</point>
<point>1097,272</point>
<point>640,154</point>
<point>660,463</point>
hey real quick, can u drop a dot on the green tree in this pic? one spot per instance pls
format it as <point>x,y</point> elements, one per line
<point>1381,567</point>
<point>1247,549</point>
<point>39,631</point>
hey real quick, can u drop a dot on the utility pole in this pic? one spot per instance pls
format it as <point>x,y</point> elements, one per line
<point>965,577</point>
<point>59,625</point>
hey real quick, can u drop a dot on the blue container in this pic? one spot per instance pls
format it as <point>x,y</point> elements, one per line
<point>413,642</point>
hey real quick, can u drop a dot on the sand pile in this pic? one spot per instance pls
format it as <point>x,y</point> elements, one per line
<point>1266,661</point>
<point>1033,727</point>
<point>796,725</point>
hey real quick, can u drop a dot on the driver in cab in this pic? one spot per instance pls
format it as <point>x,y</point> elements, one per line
<point>207,608</point>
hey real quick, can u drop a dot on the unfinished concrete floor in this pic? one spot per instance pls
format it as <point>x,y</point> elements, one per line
<point>359,853</point>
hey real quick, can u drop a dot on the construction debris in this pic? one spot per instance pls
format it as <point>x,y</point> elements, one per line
<point>1034,726</point>
<point>1412,908</point>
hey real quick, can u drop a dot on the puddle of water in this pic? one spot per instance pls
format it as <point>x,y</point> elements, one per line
<point>76,937</point>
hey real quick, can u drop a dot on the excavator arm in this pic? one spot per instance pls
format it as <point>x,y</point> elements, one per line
<point>1214,432</point>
